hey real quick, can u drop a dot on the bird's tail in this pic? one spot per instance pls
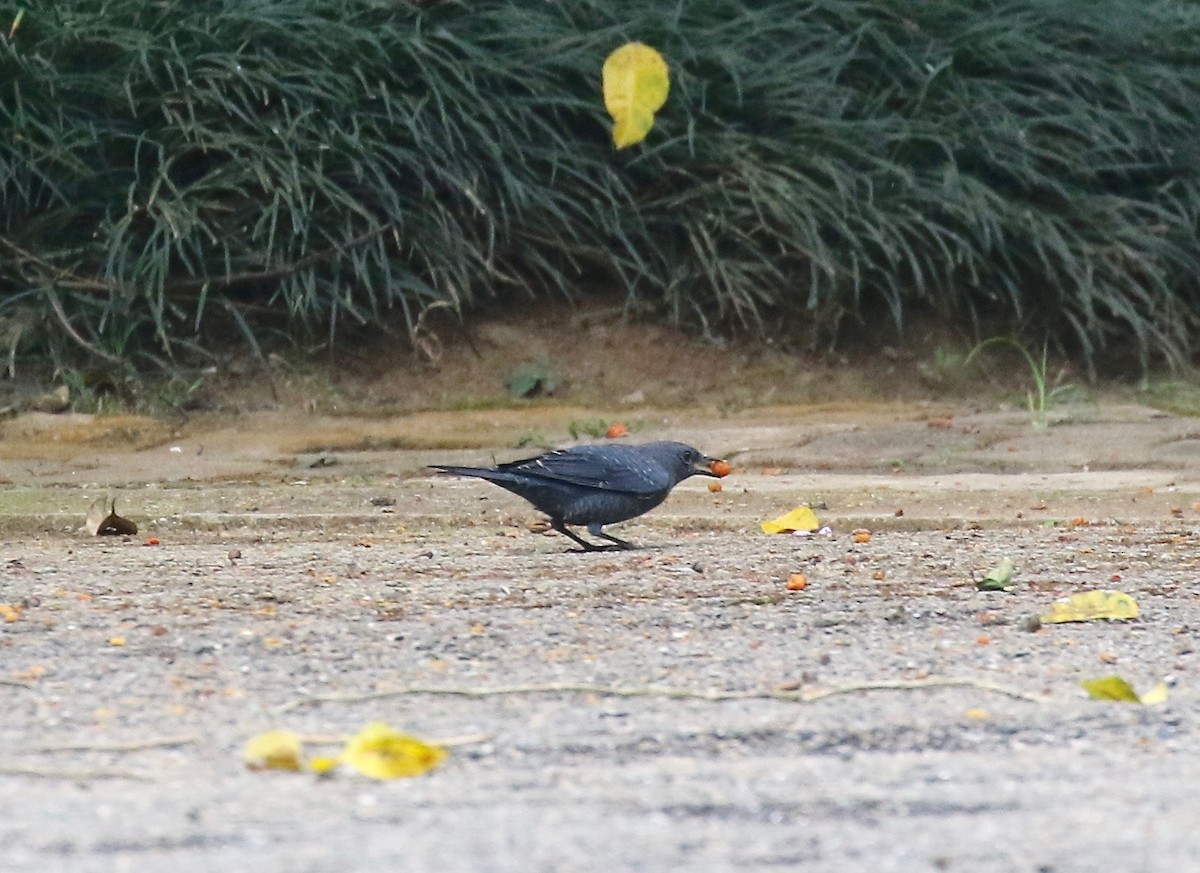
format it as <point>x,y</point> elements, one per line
<point>488,473</point>
<point>457,471</point>
<point>510,481</point>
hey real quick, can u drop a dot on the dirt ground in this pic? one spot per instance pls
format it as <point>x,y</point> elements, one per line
<point>674,707</point>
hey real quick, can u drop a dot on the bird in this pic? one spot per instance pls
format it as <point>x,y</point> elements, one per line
<point>595,485</point>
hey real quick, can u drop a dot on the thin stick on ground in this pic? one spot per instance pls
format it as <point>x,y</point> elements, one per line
<point>445,742</point>
<point>131,746</point>
<point>71,773</point>
<point>714,695</point>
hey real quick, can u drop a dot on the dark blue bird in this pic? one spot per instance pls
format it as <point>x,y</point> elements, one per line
<point>595,485</point>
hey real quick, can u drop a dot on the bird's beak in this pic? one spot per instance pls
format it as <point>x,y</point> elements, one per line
<point>703,467</point>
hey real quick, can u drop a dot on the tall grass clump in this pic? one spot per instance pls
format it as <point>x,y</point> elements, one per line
<point>175,169</point>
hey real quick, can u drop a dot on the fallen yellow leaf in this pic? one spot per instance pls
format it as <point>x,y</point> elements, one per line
<point>1092,605</point>
<point>273,750</point>
<point>384,753</point>
<point>322,766</point>
<point>800,518</point>
<point>1157,694</point>
<point>1116,688</point>
<point>636,81</point>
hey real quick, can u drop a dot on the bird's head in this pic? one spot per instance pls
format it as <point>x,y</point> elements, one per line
<point>682,460</point>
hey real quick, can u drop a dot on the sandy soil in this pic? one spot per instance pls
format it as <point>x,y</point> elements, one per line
<point>309,575</point>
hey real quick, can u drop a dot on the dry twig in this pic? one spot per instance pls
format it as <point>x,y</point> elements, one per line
<point>650,691</point>
<point>131,746</point>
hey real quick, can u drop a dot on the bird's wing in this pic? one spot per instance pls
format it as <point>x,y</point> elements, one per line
<point>610,468</point>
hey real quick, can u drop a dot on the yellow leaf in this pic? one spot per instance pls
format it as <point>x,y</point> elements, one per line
<point>1156,695</point>
<point>273,750</point>
<point>1110,688</point>
<point>324,765</point>
<point>1116,688</point>
<point>636,81</point>
<point>800,518</point>
<point>383,753</point>
<point>1090,606</point>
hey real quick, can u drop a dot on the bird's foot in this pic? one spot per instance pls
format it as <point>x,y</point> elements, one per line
<point>617,544</point>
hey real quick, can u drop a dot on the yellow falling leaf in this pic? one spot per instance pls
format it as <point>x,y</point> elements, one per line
<point>636,81</point>
<point>273,750</point>
<point>1116,688</point>
<point>800,518</point>
<point>1092,605</point>
<point>383,753</point>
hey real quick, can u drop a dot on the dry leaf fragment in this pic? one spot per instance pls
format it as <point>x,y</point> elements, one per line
<point>102,520</point>
<point>1118,689</point>
<point>1156,695</point>
<point>323,765</point>
<point>53,402</point>
<point>273,750</point>
<point>997,578</point>
<point>1090,606</point>
<point>384,753</point>
<point>802,518</point>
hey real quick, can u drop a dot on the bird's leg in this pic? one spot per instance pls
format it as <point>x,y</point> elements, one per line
<point>559,526</point>
<point>596,531</point>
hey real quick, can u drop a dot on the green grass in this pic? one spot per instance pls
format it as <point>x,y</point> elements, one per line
<point>1044,391</point>
<point>177,173</point>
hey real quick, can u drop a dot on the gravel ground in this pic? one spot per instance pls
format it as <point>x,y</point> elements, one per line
<point>889,716</point>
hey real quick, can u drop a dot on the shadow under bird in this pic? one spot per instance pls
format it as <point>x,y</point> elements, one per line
<point>595,485</point>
